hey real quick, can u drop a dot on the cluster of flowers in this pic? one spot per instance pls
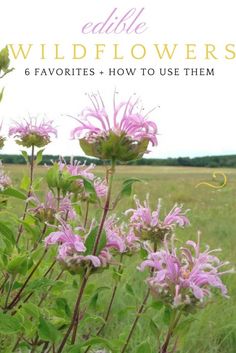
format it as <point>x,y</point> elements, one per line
<point>184,277</point>
<point>122,237</point>
<point>178,276</point>
<point>72,251</point>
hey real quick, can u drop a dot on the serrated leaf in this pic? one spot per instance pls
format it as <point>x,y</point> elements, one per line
<point>47,331</point>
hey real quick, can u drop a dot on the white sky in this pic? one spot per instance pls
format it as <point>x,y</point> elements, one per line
<point>197,115</point>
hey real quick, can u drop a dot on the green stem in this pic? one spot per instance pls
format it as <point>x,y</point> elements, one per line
<point>139,313</point>
<point>86,214</point>
<point>29,193</point>
<point>76,309</point>
<point>75,319</point>
<point>110,303</point>
<point>11,283</point>
<point>174,322</point>
<point>106,207</point>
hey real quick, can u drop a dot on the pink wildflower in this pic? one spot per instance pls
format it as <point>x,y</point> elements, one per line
<point>47,210</point>
<point>67,240</point>
<point>185,277</point>
<point>147,223</point>
<point>72,251</point>
<point>75,168</point>
<point>31,133</point>
<point>125,137</point>
<point>120,237</point>
<point>5,180</point>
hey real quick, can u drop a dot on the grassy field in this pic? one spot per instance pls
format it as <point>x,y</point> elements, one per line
<point>213,212</point>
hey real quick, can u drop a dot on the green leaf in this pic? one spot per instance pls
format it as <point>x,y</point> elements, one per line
<point>90,241</point>
<point>25,156</point>
<point>93,301</point>
<point>144,347</point>
<point>62,307</point>
<point>184,326</point>
<point>30,229</point>
<point>7,232</point>
<point>126,190</point>
<point>25,183</point>
<point>88,184</point>
<point>39,156</point>
<point>143,253</point>
<point>39,284</point>
<point>52,176</point>
<point>4,59</point>
<point>155,329</point>
<point>14,193</point>
<point>37,183</point>
<point>167,315</point>
<point>9,324</point>
<point>129,289</point>
<point>98,341</point>
<point>157,305</point>
<point>18,264</point>
<point>47,331</point>
<point>75,349</point>
<point>31,309</point>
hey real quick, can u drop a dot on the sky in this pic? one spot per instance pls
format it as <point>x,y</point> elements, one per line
<point>195,115</point>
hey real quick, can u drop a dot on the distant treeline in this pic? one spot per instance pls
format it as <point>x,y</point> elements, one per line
<point>208,161</point>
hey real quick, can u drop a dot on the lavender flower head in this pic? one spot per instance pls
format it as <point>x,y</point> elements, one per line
<point>33,133</point>
<point>120,237</point>
<point>72,252</point>
<point>5,180</point>
<point>46,211</point>
<point>75,168</point>
<point>124,137</point>
<point>147,223</point>
<point>184,277</point>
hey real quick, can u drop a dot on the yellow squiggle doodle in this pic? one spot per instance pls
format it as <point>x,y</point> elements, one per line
<point>214,175</point>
